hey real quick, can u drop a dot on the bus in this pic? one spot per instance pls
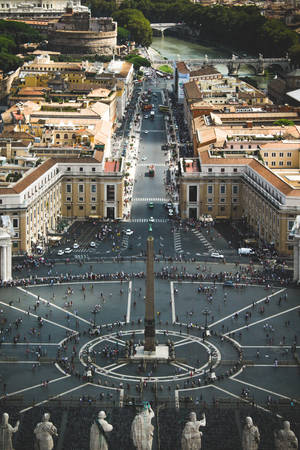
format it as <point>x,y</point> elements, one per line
<point>164,108</point>
<point>151,171</point>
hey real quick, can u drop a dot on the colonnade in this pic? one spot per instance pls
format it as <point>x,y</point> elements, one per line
<point>5,257</point>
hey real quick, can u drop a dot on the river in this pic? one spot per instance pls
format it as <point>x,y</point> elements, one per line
<point>179,49</point>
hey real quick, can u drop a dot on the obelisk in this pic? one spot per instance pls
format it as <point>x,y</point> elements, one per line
<point>149,306</point>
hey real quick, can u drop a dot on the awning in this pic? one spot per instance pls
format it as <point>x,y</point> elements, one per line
<point>94,217</point>
<point>54,238</point>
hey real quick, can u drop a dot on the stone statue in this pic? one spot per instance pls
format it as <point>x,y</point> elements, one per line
<point>285,438</point>
<point>296,226</point>
<point>44,432</point>
<point>251,436</point>
<point>142,429</point>
<point>99,428</point>
<point>6,432</point>
<point>191,435</point>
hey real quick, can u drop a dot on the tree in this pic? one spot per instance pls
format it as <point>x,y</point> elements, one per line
<point>123,35</point>
<point>138,61</point>
<point>285,122</point>
<point>135,22</point>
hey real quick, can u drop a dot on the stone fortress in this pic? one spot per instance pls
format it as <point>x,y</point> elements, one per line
<point>77,32</point>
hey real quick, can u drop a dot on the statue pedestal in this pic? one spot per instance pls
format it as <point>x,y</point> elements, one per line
<point>161,353</point>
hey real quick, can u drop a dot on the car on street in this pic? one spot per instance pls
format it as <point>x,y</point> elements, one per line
<point>144,158</point>
<point>75,245</point>
<point>151,219</point>
<point>170,212</point>
<point>150,205</point>
<point>150,227</point>
<point>128,232</point>
<point>60,252</point>
<point>68,250</point>
<point>228,283</point>
<point>92,244</point>
<point>217,255</point>
<point>146,131</point>
<point>146,116</point>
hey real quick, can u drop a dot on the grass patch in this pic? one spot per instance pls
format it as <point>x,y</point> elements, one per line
<point>165,68</point>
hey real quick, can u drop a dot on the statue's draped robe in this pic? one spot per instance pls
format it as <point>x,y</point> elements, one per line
<point>97,439</point>
<point>43,433</point>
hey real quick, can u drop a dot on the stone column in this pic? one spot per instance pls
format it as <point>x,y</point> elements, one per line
<point>9,259</point>
<point>296,258</point>
<point>149,306</point>
<point>3,263</point>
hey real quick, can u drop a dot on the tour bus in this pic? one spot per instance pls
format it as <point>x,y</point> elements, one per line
<point>164,108</point>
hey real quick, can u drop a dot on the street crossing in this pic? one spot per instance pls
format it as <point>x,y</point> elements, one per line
<point>177,241</point>
<point>203,240</point>
<point>147,220</point>
<point>149,164</point>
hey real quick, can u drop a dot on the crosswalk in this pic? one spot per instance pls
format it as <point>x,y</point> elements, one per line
<point>203,240</point>
<point>147,220</point>
<point>125,240</point>
<point>149,164</point>
<point>150,199</point>
<point>177,241</point>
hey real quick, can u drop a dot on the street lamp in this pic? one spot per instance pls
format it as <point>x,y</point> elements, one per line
<point>206,313</point>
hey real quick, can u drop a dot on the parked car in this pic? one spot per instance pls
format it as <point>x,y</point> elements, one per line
<point>75,245</point>
<point>228,283</point>
<point>60,252</point>
<point>151,219</point>
<point>128,232</point>
<point>150,205</point>
<point>92,244</point>
<point>68,250</point>
<point>217,255</point>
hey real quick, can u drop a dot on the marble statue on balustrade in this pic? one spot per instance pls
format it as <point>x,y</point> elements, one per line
<point>44,432</point>
<point>251,436</point>
<point>6,433</point>
<point>98,434</point>
<point>285,439</point>
<point>142,428</point>
<point>296,227</point>
<point>191,438</point>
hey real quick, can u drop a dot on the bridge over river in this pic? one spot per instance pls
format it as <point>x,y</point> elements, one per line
<point>234,63</point>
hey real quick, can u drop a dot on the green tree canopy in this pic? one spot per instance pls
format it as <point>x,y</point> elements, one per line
<point>135,22</point>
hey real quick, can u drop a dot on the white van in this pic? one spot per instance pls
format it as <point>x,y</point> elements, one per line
<point>245,251</point>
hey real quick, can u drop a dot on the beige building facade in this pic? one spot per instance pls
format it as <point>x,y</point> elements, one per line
<point>71,188</point>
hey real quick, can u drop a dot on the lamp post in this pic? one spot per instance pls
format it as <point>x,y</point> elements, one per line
<point>206,313</point>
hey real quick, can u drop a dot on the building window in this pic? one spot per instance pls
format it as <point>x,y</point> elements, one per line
<point>281,163</point>
<point>81,188</point>
<point>235,189</point>
<point>241,147</point>
<point>222,208</point>
<point>68,169</point>
<point>0,202</point>
<point>222,200</point>
<point>16,223</point>
<point>234,200</point>
<point>234,208</point>
<point>93,188</point>
<point>290,224</point>
<point>273,163</point>
<point>289,163</point>
<point>66,136</point>
<point>210,189</point>
<point>280,155</point>
<point>266,155</point>
<point>209,208</point>
<point>80,199</point>
<point>93,169</point>
<point>222,170</point>
<point>222,188</point>
<point>192,193</point>
<point>15,244</point>
<point>209,200</point>
<point>290,247</point>
<point>93,199</point>
<point>68,208</point>
<point>68,188</point>
<point>93,208</point>
<point>235,170</point>
<point>289,154</point>
<point>249,146</point>
<point>57,136</point>
<point>110,193</point>
<point>80,169</point>
<point>273,155</point>
<point>231,146</point>
<point>69,199</point>
<point>81,208</point>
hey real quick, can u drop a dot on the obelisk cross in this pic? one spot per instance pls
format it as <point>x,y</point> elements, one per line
<point>149,306</point>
